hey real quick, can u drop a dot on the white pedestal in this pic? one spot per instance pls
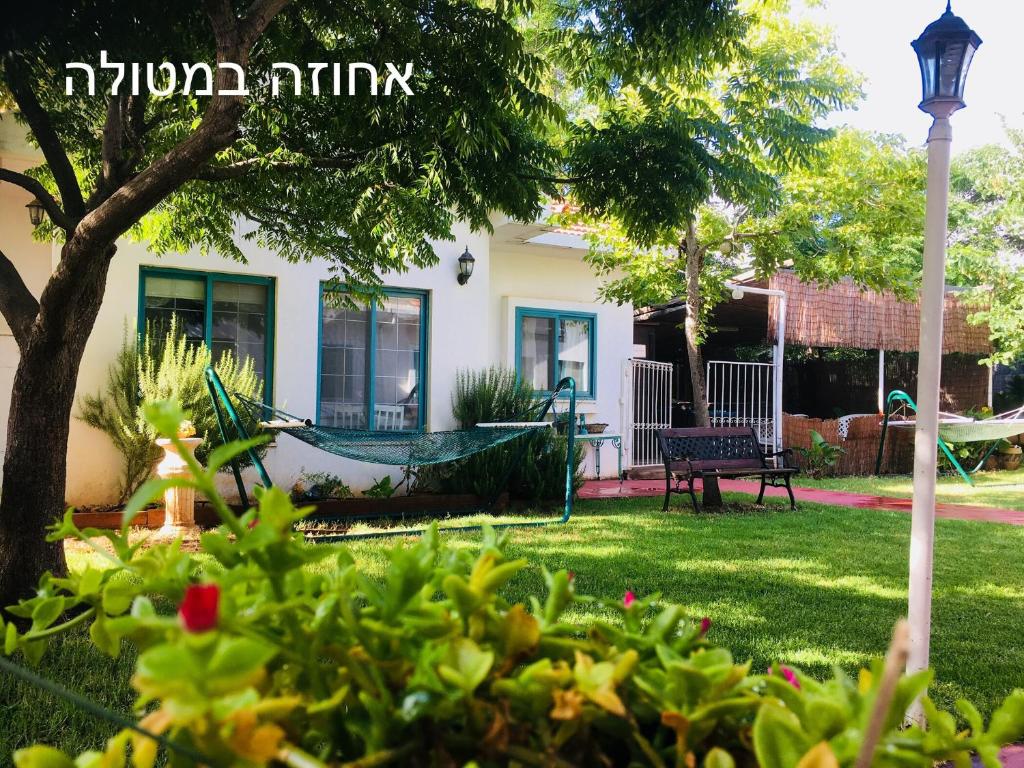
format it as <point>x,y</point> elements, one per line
<point>179,503</point>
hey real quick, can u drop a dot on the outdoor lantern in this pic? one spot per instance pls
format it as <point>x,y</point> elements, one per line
<point>944,51</point>
<point>466,262</point>
<point>35,212</point>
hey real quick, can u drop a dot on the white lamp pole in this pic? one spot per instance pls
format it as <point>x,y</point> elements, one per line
<point>944,51</point>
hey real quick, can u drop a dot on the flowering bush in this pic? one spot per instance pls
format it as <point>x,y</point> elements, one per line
<point>289,653</point>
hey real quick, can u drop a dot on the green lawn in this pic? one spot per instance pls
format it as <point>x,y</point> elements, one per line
<point>991,489</point>
<point>813,588</point>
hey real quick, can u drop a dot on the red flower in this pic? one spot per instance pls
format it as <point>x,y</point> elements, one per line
<point>198,611</point>
<point>628,599</point>
<point>253,523</point>
<point>571,575</point>
<point>787,673</point>
<point>705,625</point>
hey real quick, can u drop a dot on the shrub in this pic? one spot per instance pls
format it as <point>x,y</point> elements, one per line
<point>318,486</point>
<point>821,457</point>
<point>269,660</point>
<point>167,366</point>
<point>531,468</point>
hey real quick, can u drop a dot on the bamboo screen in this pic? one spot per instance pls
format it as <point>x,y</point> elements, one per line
<point>841,315</point>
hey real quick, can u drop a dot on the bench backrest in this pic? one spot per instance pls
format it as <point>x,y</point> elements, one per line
<point>711,448</point>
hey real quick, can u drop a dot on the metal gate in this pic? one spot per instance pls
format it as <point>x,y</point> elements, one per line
<point>649,406</point>
<point>743,395</point>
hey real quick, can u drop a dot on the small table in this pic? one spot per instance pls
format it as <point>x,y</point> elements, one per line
<point>595,441</point>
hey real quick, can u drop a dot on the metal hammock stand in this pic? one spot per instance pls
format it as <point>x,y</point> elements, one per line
<point>404,449</point>
<point>952,429</point>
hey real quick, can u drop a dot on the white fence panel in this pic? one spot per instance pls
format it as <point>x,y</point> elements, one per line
<point>743,395</point>
<point>648,408</point>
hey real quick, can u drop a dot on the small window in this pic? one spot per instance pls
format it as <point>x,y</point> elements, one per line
<point>225,312</point>
<point>551,345</point>
<point>372,361</point>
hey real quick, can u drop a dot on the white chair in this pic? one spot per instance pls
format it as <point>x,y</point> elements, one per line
<point>388,418</point>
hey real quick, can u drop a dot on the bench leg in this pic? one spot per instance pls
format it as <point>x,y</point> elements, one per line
<point>760,495</point>
<point>668,493</point>
<point>792,498</point>
<point>693,496</point>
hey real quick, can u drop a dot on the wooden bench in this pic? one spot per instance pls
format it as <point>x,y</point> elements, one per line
<point>719,452</point>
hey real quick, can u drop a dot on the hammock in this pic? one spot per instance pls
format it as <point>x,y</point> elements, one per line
<point>393,448</point>
<point>954,429</point>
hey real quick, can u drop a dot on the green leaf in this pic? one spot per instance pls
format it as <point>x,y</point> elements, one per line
<point>1007,723</point>
<point>238,658</point>
<point>148,492</point>
<point>117,596</point>
<point>47,611</point>
<point>41,756</point>
<point>779,742</point>
<point>718,758</point>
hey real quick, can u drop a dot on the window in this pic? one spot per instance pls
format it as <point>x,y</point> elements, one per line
<point>226,312</point>
<point>372,359</point>
<point>551,345</point>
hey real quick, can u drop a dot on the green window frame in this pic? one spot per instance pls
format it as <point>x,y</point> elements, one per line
<point>209,279</point>
<point>586,390</point>
<point>372,352</point>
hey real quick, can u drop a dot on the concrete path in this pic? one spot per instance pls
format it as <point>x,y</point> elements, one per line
<point>611,489</point>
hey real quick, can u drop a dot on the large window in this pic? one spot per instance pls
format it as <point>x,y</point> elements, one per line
<point>372,359</point>
<point>226,312</point>
<point>551,345</point>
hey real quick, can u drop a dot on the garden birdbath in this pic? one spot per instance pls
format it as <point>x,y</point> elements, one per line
<point>179,502</point>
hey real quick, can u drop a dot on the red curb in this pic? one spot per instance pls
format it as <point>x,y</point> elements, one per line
<point>611,489</point>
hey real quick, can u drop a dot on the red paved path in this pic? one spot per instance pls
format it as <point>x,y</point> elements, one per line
<point>610,489</point>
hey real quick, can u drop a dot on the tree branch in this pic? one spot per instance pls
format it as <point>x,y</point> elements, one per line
<point>49,142</point>
<point>34,187</point>
<point>17,304</point>
<point>258,17</point>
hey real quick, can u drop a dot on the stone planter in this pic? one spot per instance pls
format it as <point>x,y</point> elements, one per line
<point>1009,460</point>
<point>179,503</point>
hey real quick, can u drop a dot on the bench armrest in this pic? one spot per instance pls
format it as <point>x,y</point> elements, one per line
<point>783,453</point>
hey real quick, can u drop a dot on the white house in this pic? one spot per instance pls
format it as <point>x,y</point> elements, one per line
<point>531,303</point>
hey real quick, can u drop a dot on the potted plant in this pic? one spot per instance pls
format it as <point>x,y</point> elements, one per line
<point>1010,455</point>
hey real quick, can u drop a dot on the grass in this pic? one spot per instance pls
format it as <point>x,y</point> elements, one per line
<point>815,588</point>
<point>991,489</point>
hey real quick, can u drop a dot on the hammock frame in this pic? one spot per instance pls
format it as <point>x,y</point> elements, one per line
<point>227,413</point>
<point>898,399</point>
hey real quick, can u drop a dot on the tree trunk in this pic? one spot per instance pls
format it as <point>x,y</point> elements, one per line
<point>694,253</point>
<point>35,462</point>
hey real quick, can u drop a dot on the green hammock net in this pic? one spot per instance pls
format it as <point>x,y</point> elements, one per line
<point>403,449</point>
<point>980,431</point>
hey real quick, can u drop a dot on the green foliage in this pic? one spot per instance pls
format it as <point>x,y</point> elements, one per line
<point>821,457</point>
<point>172,367</point>
<point>531,467</point>
<point>166,366</point>
<point>986,240</point>
<point>317,486</point>
<point>115,411</point>
<point>383,488</point>
<point>429,662</point>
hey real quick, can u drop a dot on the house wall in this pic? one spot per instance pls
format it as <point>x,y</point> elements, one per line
<point>469,326</point>
<point>557,279</point>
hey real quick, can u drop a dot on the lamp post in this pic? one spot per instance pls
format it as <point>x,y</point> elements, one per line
<point>944,51</point>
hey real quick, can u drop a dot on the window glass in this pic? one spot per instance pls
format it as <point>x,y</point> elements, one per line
<point>240,322</point>
<point>228,315</point>
<point>396,374</point>
<point>536,345</point>
<point>371,363</point>
<point>574,350</point>
<point>554,345</point>
<point>169,296</point>
<point>344,339</point>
